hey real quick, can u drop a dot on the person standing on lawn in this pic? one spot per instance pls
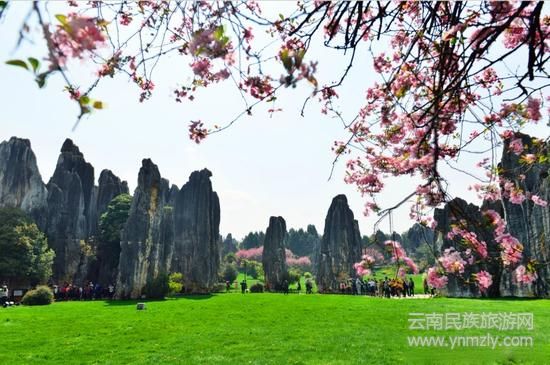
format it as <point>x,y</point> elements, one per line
<point>4,294</point>
<point>411,287</point>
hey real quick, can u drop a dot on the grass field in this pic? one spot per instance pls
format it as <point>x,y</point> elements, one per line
<point>254,329</point>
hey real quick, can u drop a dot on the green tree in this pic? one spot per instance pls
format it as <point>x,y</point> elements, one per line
<point>112,221</point>
<point>25,256</point>
<point>230,273</point>
<point>110,225</point>
<point>229,245</point>
<point>230,258</point>
<point>303,243</point>
<point>253,240</point>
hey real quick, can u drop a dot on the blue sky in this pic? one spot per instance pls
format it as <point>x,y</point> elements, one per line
<point>262,166</point>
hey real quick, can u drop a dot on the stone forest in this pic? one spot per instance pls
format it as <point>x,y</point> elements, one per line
<point>274,182</point>
<point>176,229</point>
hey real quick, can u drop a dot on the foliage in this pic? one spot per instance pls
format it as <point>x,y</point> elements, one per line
<point>112,221</point>
<point>175,283</point>
<point>42,295</point>
<point>257,288</point>
<point>252,240</point>
<point>230,258</point>
<point>294,276</point>
<point>158,287</point>
<point>230,273</point>
<point>303,243</point>
<point>111,224</point>
<point>229,245</point>
<point>251,268</point>
<point>308,275</point>
<point>25,254</point>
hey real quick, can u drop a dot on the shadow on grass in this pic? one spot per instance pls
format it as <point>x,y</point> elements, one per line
<point>507,299</point>
<point>131,301</point>
<point>178,297</point>
<point>193,296</point>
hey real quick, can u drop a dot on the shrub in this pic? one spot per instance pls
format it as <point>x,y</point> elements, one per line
<point>307,275</point>
<point>251,267</point>
<point>218,288</point>
<point>175,283</point>
<point>257,288</point>
<point>230,273</point>
<point>158,287</point>
<point>42,295</point>
<point>230,258</point>
<point>294,276</point>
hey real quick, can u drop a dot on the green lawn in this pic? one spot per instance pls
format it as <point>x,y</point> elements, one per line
<point>254,329</point>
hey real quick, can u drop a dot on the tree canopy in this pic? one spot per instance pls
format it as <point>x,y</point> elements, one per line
<point>26,258</point>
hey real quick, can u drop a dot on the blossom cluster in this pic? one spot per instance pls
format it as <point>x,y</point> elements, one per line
<point>75,37</point>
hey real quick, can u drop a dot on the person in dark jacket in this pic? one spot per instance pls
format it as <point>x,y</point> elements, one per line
<point>411,287</point>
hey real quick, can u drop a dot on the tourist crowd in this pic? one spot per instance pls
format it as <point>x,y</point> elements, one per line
<point>89,291</point>
<point>396,287</point>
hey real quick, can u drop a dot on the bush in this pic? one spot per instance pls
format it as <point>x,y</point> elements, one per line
<point>230,258</point>
<point>251,267</point>
<point>294,276</point>
<point>158,287</point>
<point>257,288</point>
<point>230,273</point>
<point>42,295</point>
<point>218,288</point>
<point>307,275</point>
<point>175,283</point>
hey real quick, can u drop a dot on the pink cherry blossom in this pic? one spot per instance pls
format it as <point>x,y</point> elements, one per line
<point>395,249</point>
<point>452,261</point>
<point>75,38</point>
<point>511,249</point>
<point>302,262</point>
<point>516,196</point>
<point>435,279</point>
<point>539,201</point>
<point>523,276</point>
<point>411,264</point>
<point>361,270</point>
<point>499,225</point>
<point>484,280</point>
<point>251,254</point>
<point>516,146</point>
<point>533,109</point>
